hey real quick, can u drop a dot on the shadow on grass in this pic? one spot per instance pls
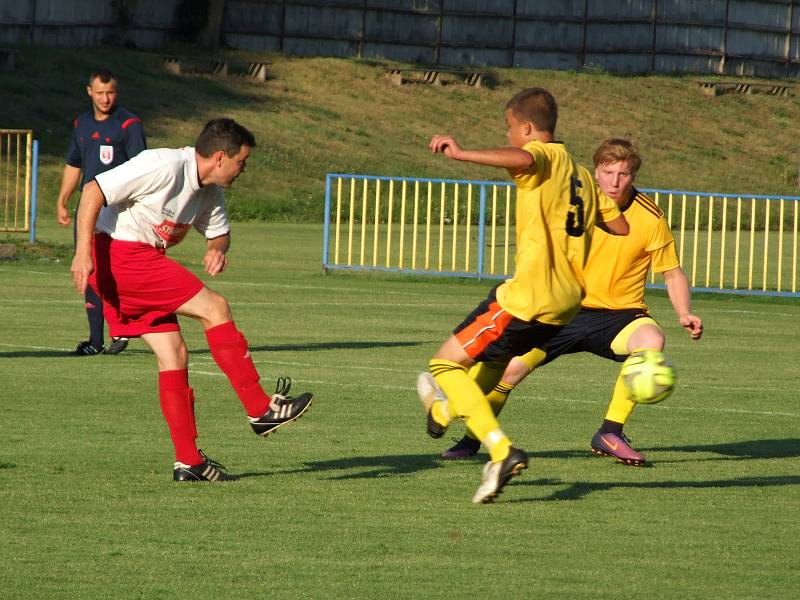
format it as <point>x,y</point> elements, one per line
<point>367,467</point>
<point>745,450</point>
<point>50,353</point>
<point>579,490</point>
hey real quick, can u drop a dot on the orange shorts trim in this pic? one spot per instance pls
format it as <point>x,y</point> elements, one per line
<point>486,329</point>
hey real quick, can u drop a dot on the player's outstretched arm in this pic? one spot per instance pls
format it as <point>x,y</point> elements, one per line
<point>680,297</point>
<point>92,200</point>
<point>616,226</point>
<point>513,159</point>
<point>215,261</point>
<point>69,181</point>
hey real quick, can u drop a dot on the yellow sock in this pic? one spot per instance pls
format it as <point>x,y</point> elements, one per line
<point>487,375</point>
<point>621,405</point>
<point>440,412</point>
<point>497,400</point>
<point>466,400</point>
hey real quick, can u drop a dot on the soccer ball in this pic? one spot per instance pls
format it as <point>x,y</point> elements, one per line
<point>648,376</point>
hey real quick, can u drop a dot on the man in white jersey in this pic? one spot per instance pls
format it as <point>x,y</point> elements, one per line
<point>150,203</point>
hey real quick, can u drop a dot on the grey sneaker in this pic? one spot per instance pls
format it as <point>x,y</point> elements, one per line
<point>497,474</point>
<point>117,345</point>
<point>429,393</point>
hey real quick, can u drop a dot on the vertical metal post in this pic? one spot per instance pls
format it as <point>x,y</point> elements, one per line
<point>437,55</point>
<point>481,231</point>
<point>654,19</point>
<point>326,228</point>
<point>513,34</point>
<point>724,60</point>
<point>582,54</point>
<point>32,30</point>
<point>360,50</point>
<point>788,46</point>
<point>34,180</point>
<point>283,26</point>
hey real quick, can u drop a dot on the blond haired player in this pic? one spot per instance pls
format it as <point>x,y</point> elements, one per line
<point>613,321</point>
<point>557,208</point>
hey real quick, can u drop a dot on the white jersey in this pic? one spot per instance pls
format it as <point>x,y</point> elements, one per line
<point>156,196</point>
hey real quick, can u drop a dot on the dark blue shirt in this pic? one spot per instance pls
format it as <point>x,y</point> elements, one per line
<point>98,146</point>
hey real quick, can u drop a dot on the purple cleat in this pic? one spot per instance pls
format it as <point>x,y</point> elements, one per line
<point>617,446</point>
<point>466,447</point>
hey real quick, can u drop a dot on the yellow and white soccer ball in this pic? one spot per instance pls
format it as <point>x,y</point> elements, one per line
<point>648,376</point>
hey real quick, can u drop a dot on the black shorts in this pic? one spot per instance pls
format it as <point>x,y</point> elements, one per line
<point>491,334</point>
<point>592,330</point>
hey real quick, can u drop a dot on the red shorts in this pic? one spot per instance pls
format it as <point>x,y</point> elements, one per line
<point>140,286</point>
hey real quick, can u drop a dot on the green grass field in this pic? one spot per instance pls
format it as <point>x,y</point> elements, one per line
<point>351,501</point>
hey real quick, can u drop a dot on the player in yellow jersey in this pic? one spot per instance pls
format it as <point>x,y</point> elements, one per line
<point>556,211</point>
<point>613,321</point>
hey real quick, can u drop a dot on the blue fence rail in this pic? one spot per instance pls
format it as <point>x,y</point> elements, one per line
<point>731,243</point>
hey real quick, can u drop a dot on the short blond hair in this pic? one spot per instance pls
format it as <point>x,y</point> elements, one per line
<point>615,150</point>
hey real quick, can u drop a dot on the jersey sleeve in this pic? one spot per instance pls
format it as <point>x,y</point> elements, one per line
<point>73,156</point>
<point>661,247</point>
<point>132,180</point>
<point>532,178</point>
<point>213,222</point>
<point>135,139</point>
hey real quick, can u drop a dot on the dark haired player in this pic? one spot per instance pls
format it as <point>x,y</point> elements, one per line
<point>614,320</point>
<point>150,204</point>
<point>102,138</point>
<point>557,208</point>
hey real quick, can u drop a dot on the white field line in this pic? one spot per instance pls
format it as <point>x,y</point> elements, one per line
<point>431,301</point>
<point>410,389</point>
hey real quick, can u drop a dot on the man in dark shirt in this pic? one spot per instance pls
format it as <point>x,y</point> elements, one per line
<point>102,138</point>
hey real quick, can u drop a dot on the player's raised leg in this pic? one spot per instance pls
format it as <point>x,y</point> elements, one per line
<point>466,400</point>
<point>231,353</point>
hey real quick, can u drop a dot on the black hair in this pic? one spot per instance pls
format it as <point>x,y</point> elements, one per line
<point>536,105</point>
<point>223,134</point>
<point>104,75</point>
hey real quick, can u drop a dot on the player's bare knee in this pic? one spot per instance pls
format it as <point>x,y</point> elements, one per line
<point>219,311</point>
<point>647,337</point>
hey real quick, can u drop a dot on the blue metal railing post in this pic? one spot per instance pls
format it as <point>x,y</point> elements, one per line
<point>34,181</point>
<point>327,223</point>
<point>481,232</point>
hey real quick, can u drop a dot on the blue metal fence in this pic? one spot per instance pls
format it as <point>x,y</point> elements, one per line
<point>732,243</point>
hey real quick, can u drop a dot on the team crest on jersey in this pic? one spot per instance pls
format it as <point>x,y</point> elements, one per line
<point>106,154</point>
<point>171,232</point>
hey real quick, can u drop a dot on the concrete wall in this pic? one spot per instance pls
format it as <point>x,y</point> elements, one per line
<point>743,37</point>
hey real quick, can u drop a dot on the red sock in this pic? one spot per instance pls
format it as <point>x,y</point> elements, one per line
<point>177,404</point>
<point>229,349</point>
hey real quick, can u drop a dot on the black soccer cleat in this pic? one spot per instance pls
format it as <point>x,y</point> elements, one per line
<point>208,470</point>
<point>282,408</point>
<point>86,348</point>
<point>466,447</point>
<point>117,345</point>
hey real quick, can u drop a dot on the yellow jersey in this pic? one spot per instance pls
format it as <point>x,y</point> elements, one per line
<point>556,211</point>
<point>616,270</point>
